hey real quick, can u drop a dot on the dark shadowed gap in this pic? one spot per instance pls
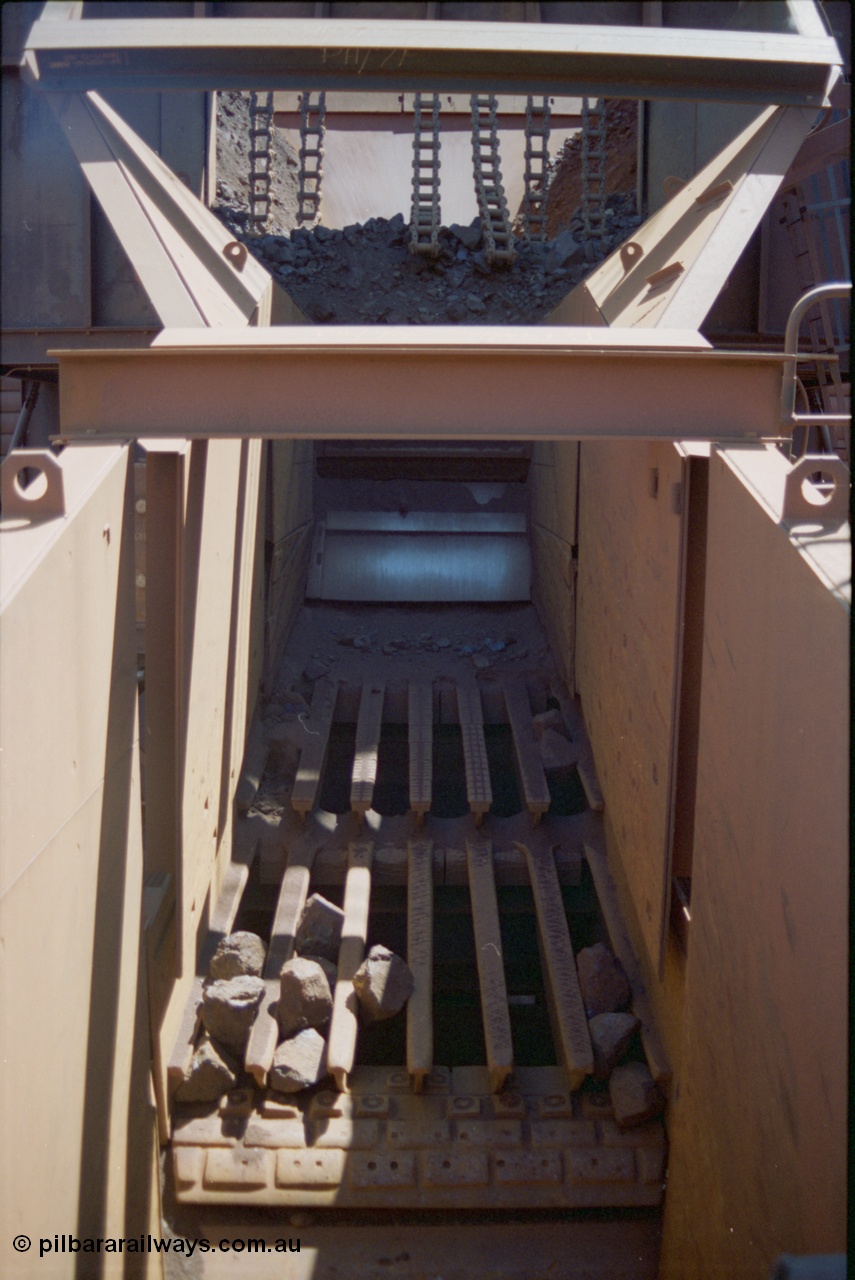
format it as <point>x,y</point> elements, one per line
<point>392,787</point>
<point>501,758</point>
<point>449,773</point>
<point>338,771</point>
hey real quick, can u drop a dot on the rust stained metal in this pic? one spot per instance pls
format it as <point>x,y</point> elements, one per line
<point>402,383</point>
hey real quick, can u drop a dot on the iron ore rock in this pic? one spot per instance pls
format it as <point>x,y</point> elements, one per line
<point>211,1073</point>
<point>383,984</point>
<point>304,996</point>
<point>604,985</point>
<point>635,1095</point>
<point>239,953</point>
<point>299,1062</point>
<point>611,1034</point>
<point>319,930</point>
<point>229,1008</point>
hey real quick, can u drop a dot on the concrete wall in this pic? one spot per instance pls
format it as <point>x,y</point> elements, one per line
<point>78,1126</point>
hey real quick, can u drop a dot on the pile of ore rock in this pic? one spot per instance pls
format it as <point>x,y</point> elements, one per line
<point>365,274</point>
<point>606,996</point>
<point>235,989</point>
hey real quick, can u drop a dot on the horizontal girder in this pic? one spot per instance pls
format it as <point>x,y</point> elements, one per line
<point>401,382</point>
<point>448,57</point>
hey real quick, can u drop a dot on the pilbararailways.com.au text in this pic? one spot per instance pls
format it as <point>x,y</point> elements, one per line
<point>156,1244</point>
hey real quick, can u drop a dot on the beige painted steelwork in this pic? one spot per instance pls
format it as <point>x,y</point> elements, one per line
<point>590,383</point>
<point>192,269</point>
<point>671,272</point>
<point>508,57</point>
<point>73,985</point>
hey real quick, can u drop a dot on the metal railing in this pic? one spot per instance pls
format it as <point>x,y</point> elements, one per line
<point>792,356</point>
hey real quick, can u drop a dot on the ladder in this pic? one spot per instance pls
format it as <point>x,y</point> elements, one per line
<point>260,130</point>
<point>593,170</point>
<point>492,205</point>
<point>311,155</point>
<point>536,168</point>
<point>426,219</point>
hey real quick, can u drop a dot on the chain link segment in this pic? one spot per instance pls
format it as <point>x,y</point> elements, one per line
<point>260,131</point>
<point>312,115</point>
<point>426,219</point>
<point>593,168</point>
<point>492,205</point>
<point>537,113</point>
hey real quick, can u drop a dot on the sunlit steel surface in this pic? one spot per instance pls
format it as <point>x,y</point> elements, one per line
<point>422,557</point>
<point>448,57</point>
<point>444,382</point>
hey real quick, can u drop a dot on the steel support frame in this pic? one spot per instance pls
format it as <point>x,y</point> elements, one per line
<point>448,57</point>
<point>396,382</point>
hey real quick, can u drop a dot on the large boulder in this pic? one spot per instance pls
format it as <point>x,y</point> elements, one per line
<point>299,1062</point>
<point>211,1072</point>
<point>383,984</point>
<point>237,954</point>
<point>229,1008</point>
<point>304,996</point>
<point>319,929</point>
<point>604,985</point>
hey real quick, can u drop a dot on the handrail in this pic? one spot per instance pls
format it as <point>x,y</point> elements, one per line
<point>834,289</point>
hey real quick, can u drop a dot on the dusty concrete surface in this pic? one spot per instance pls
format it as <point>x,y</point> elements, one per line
<point>580,1247</point>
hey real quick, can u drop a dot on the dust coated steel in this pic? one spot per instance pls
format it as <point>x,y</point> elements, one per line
<point>446,382</point>
<point>420,960</point>
<point>313,757</point>
<point>447,57</point>
<point>560,968</point>
<point>415,568</point>
<point>535,786</point>
<point>491,969</point>
<point>479,792</point>
<point>420,735</point>
<point>364,774</point>
<point>289,907</point>
<point>341,1051</point>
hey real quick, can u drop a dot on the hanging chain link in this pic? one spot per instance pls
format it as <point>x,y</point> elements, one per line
<point>311,155</point>
<point>260,131</point>
<point>537,115</point>
<point>492,205</point>
<point>426,218</point>
<point>593,168</point>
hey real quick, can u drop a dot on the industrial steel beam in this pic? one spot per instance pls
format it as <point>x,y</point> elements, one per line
<point>399,382</point>
<point>192,269</point>
<point>677,263</point>
<point>448,57</point>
